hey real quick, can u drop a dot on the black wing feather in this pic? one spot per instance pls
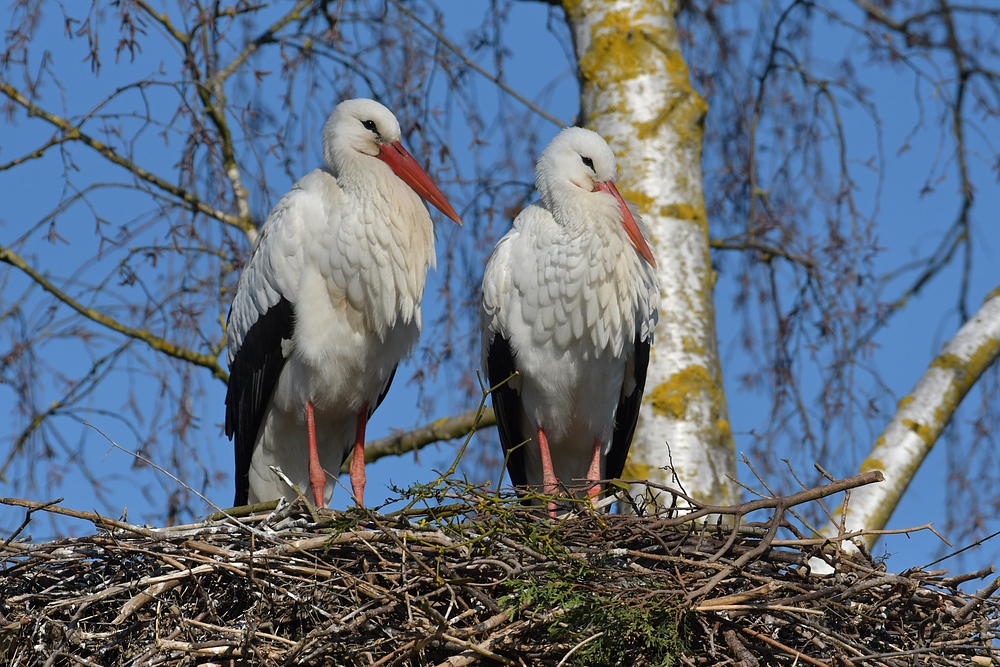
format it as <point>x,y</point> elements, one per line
<point>508,408</point>
<point>253,376</point>
<point>627,415</point>
<point>385,390</point>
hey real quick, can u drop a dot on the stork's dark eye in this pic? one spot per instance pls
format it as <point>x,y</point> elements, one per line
<point>370,125</point>
<point>587,161</point>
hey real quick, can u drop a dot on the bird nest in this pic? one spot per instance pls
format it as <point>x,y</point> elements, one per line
<point>462,576</point>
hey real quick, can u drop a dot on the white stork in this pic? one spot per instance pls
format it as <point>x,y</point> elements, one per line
<point>570,300</point>
<point>327,306</point>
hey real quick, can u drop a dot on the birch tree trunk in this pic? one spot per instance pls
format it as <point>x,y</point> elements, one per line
<point>636,93</point>
<point>921,417</point>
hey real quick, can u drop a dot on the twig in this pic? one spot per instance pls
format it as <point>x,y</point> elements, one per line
<point>799,498</point>
<point>98,520</point>
<point>27,520</point>
<point>978,599</point>
<point>578,647</point>
<point>480,649</point>
<point>745,657</point>
<point>787,649</point>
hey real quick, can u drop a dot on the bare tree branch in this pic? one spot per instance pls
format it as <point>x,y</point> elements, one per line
<point>265,37</point>
<point>766,250</point>
<point>158,344</point>
<point>473,65</point>
<point>73,133</point>
<point>441,430</point>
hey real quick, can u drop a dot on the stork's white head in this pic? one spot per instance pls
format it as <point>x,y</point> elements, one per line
<point>360,133</point>
<point>577,159</point>
<point>576,173</point>
<point>357,126</point>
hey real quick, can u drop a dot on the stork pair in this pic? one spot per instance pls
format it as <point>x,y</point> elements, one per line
<point>329,304</point>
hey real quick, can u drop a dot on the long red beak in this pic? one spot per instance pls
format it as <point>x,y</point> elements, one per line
<point>629,223</point>
<point>404,166</point>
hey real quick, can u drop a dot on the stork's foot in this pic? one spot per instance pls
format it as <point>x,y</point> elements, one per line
<point>317,478</point>
<point>550,485</point>
<point>358,477</point>
<point>594,472</point>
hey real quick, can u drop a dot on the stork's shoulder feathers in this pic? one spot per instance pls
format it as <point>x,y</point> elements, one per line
<point>279,254</point>
<point>551,283</point>
<point>378,257</point>
<point>497,282</point>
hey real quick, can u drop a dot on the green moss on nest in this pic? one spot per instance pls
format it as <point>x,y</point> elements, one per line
<point>649,631</point>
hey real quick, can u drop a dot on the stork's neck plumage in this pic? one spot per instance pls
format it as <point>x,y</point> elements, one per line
<point>586,216</point>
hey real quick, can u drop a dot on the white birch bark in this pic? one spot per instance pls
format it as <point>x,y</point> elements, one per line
<point>921,417</point>
<point>635,92</point>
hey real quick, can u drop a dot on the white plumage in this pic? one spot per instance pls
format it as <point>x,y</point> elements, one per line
<point>570,301</point>
<point>327,306</point>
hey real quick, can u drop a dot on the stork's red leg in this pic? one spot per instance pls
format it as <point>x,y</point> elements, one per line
<point>317,478</point>
<point>594,473</point>
<point>358,460</point>
<point>549,482</point>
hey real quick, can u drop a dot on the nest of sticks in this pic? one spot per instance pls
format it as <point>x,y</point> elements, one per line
<point>462,576</point>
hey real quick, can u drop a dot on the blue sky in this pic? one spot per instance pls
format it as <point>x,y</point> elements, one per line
<point>911,226</point>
